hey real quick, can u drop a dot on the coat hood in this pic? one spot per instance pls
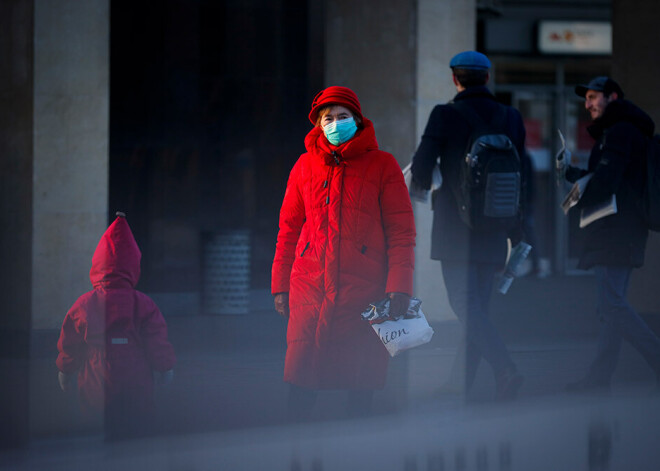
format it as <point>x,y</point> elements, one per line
<point>116,261</point>
<point>363,141</point>
<point>622,111</point>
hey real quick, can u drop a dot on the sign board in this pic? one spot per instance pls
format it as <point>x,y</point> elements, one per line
<point>574,37</point>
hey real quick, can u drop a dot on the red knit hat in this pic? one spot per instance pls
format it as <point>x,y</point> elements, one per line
<point>335,96</point>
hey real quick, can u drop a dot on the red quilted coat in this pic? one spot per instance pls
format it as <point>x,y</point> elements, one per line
<point>346,238</point>
<point>114,336</point>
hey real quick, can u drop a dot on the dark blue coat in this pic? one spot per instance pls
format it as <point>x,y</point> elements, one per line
<point>617,161</point>
<point>446,136</point>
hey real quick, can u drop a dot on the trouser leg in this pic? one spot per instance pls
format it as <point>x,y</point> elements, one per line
<point>620,321</point>
<point>472,350</point>
<point>531,239</point>
<point>609,338</point>
<point>468,289</point>
<point>465,366</point>
<point>472,361</point>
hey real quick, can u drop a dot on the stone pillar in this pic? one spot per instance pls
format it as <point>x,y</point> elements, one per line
<point>636,67</point>
<point>444,28</point>
<point>396,58</point>
<point>370,48</point>
<point>16,117</point>
<point>54,178</point>
<point>70,153</point>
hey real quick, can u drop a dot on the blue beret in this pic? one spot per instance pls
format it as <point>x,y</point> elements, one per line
<point>470,60</point>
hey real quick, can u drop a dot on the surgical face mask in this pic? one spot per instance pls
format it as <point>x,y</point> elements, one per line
<point>340,131</point>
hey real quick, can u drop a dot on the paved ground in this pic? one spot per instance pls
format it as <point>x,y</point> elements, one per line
<point>225,409</point>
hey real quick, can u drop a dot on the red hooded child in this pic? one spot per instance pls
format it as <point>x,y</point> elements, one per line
<point>114,337</point>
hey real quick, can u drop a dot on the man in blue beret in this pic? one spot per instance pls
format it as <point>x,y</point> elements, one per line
<point>470,257</point>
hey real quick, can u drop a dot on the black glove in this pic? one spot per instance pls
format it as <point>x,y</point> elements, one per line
<point>399,303</point>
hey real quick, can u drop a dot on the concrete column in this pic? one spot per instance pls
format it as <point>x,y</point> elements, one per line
<point>370,48</point>
<point>16,118</point>
<point>444,28</point>
<point>70,150</point>
<point>396,58</point>
<point>636,67</point>
<point>395,55</point>
<point>53,179</point>
<point>16,92</point>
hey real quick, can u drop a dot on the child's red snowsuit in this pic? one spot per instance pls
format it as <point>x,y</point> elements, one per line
<point>114,337</point>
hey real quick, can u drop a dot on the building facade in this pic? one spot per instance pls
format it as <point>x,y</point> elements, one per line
<point>189,117</point>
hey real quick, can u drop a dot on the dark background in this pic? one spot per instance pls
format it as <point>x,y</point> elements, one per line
<point>208,113</point>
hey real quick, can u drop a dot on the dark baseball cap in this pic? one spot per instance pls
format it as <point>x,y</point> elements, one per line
<point>600,84</point>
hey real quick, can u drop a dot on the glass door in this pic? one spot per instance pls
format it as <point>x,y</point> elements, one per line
<point>579,142</point>
<point>546,110</point>
<point>536,106</point>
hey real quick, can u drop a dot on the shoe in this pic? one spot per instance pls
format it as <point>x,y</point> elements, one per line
<point>587,386</point>
<point>508,384</point>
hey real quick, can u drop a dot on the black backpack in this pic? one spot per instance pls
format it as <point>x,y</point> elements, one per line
<point>651,196</point>
<point>489,191</point>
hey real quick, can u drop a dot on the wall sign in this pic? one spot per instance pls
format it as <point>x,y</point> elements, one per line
<point>574,37</point>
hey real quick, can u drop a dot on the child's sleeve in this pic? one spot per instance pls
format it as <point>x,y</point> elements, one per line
<point>71,344</point>
<point>153,331</point>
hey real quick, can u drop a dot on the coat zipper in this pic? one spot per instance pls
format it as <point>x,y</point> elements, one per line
<point>305,249</point>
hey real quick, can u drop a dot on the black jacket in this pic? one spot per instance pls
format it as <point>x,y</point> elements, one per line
<point>446,136</point>
<point>617,161</point>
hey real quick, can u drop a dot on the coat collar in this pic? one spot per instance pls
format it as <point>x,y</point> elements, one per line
<point>620,111</point>
<point>474,92</point>
<point>363,141</point>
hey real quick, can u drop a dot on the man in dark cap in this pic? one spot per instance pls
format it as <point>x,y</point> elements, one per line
<point>598,93</point>
<point>614,244</point>
<point>470,258</point>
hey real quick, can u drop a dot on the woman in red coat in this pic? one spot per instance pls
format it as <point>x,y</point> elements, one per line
<point>346,239</point>
<point>114,338</point>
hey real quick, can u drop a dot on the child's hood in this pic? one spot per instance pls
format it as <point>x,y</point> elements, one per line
<point>116,260</point>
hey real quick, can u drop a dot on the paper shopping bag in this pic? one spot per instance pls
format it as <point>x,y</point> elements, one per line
<point>399,334</point>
